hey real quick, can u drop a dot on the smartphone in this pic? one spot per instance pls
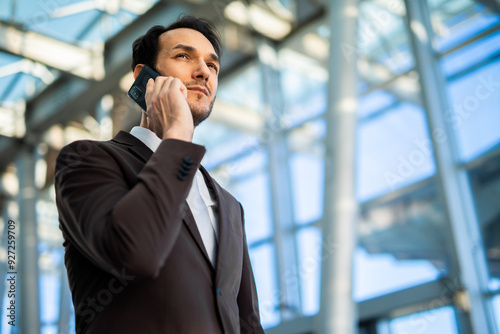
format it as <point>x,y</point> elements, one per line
<point>138,90</point>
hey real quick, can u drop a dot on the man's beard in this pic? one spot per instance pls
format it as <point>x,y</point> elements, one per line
<point>201,115</point>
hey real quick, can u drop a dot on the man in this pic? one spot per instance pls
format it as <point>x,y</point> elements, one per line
<point>152,243</point>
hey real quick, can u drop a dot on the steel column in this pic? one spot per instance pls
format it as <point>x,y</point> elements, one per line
<point>26,242</point>
<point>337,309</point>
<point>471,266</point>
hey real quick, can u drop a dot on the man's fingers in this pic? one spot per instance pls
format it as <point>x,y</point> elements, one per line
<point>166,88</point>
<point>147,96</point>
<point>160,82</point>
<point>178,85</point>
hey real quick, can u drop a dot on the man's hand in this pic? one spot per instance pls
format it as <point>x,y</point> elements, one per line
<point>168,113</point>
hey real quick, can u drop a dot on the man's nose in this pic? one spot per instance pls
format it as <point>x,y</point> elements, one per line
<point>202,71</point>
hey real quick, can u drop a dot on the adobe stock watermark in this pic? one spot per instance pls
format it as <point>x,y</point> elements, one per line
<point>408,165</point>
<point>427,314</point>
<point>47,8</point>
<point>93,305</point>
<point>379,20</point>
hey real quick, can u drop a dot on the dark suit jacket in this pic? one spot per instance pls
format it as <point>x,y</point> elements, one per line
<point>135,259</point>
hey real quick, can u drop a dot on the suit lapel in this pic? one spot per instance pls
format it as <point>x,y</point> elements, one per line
<point>223,222</point>
<point>189,221</point>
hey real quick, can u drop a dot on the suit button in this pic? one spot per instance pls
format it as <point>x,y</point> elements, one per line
<point>185,170</point>
<point>188,161</point>
<point>217,290</point>
<point>181,176</point>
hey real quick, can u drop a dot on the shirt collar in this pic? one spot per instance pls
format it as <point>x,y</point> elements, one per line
<point>148,137</point>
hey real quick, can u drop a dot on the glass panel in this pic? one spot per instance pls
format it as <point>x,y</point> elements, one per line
<point>456,21</point>
<point>50,261</point>
<point>402,243</point>
<point>382,44</point>
<point>67,28</point>
<point>496,307</point>
<point>50,288</point>
<point>470,55</point>
<point>485,181</point>
<point>251,187</point>
<point>264,267</point>
<point>17,87</point>
<point>76,20</point>
<point>243,89</point>
<point>437,321</point>
<point>380,274</point>
<point>304,84</point>
<point>374,101</point>
<point>309,249</point>
<point>223,143</point>
<point>475,99</point>
<point>5,11</point>
<point>308,186</point>
<point>394,151</point>
<point>307,171</point>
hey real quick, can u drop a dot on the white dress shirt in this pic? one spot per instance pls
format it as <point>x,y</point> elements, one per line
<point>201,203</point>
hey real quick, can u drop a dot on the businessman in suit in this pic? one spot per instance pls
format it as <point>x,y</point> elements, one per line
<point>152,243</point>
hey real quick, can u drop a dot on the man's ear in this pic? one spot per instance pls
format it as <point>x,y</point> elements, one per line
<point>137,70</point>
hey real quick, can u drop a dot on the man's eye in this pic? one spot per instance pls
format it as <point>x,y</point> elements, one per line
<point>182,55</point>
<point>213,66</point>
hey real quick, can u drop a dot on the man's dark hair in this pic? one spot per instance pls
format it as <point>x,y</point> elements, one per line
<point>145,48</point>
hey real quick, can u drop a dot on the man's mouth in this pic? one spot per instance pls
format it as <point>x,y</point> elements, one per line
<point>198,89</point>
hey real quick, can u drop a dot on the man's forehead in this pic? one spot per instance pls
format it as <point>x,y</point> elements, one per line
<point>186,36</point>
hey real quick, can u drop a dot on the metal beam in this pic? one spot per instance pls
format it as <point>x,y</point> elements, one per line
<point>476,315</point>
<point>421,298</point>
<point>275,140</point>
<point>337,309</point>
<point>83,62</point>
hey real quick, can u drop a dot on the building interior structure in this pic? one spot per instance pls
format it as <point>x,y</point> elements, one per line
<point>415,216</point>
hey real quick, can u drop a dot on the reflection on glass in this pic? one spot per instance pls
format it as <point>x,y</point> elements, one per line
<point>403,243</point>
<point>475,116</point>
<point>252,189</point>
<point>394,150</point>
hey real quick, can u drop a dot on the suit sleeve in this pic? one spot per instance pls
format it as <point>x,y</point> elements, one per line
<point>248,303</point>
<point>115,225</point>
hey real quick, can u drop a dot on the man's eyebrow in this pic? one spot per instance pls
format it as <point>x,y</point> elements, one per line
<point>190,48</point>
